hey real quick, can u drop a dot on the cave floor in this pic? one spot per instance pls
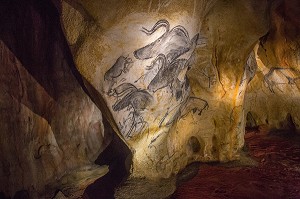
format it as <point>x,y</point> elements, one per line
<point>276,174</point>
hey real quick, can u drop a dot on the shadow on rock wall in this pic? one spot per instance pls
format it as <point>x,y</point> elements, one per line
<point>51,131</point>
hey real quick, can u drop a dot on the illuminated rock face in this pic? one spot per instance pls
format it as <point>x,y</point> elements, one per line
<point>172,75</point>
<point>147,88</point>
<point>273,95</point>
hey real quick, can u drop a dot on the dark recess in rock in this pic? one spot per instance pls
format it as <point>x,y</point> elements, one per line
<point>118,156</point>
<point>250,121</point>
<point>2,196</point>
<point>23,194</point>
<point>31,32</point>
<point>194,144</point>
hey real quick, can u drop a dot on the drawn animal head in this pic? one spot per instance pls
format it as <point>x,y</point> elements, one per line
<point>172,44</point>
<point>127,64</point>
<point>137,100</point>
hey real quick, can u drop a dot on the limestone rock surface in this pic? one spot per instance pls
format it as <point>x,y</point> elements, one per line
<point>273,95</point>
<point>172,74</point>
<point>177,81</point>
<point>49,126</point>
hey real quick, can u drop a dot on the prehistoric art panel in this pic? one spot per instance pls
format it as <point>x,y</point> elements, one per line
<point>169,76</point>
<point>279,77</point>
<point>165,62</point>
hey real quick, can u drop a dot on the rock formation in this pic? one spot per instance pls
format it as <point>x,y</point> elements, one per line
<point>51,131</point>
<point>171,74</point>
<point>177,81</point>
<point>273,95</point>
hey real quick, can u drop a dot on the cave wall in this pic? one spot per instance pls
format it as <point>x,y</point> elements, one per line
<point>273,95</point>
<point>50,130</point>
<point>177,81</point>
<point>172,74</point>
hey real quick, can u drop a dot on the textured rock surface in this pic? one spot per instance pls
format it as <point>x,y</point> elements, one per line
<point>173,74</point>
<point>49,128</point>
<point>144,188</point>
<point>273,95</point>
<point>170,76</point>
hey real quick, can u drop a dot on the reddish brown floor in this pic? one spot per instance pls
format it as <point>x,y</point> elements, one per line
<point>276,176</point>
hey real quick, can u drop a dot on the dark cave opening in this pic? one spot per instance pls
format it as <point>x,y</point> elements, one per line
<point>118,156</point>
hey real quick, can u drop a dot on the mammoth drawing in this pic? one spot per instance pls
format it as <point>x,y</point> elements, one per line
<point>172,43</point>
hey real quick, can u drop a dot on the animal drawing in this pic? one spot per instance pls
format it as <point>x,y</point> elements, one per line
<point>161,23</point>
<point>122,90</point>
<point>158,62</point>
<point>194,104</point>
<point>173,52</point>
<point>278,76</point>
<point>172,55</point>
<point>122,65</point>
<point>137,101</point>
<point>172,43</point>
<point>166,75</point>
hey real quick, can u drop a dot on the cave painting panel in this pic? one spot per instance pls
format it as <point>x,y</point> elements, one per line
<point>160,94</point>
<point>279,77</point>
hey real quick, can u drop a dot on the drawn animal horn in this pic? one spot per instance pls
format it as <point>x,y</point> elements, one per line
<point>160,23</point>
